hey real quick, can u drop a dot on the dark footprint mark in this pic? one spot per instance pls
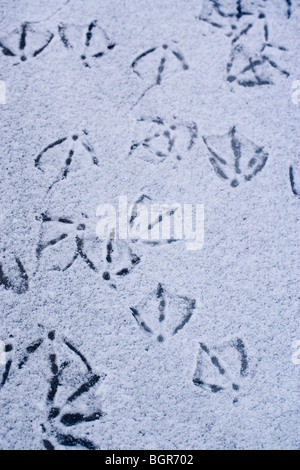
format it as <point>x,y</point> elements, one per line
<point>31,349</point>
<point>243,357</point>
<point>65,150</point>
<point>289,5</point>
<point>157,140</point>
<point>65,358</point>
<point>5,351</point>
<point>96,42</point>
<point>71,239</point>
<point>222,368</point>
<point>13,276</point>
<point>165,57</point>
<point>163,314</point>
<point>120,260</point>
<point>78,418</point>
<point>246,160</point>
<point>232,15</point>
<point>25,42</point>
<point>70,441</point>
<point>295,184</point>
<point>84,388</point>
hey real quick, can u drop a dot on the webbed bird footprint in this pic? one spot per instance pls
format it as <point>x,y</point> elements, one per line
<point>90,41</point>
<point>64,241</point>
<point>156,139</point>
<point>222,367</point>
<point>58,158</point>
<point>70,400</point>
<point>163,314</point>
<point>234,157</point>
<point>255,69</point>
<point>25,42</point>
<point>154,64</point>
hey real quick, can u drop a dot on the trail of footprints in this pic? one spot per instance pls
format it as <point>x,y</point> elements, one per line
<point>242,20</point>
<point>234,158</point>
<point>239,19</point>
<point>29,41</point>
<point>71,405</point>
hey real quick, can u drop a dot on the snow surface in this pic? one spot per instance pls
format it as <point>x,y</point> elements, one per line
<point>223,377</point>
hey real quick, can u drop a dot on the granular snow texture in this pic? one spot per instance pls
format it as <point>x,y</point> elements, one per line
<point>125,344</point>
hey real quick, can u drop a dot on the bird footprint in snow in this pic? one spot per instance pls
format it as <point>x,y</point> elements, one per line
<point>70,401</point>
<point>222,367</point>
<point>157,139</point>
<point>234,157</point>
<point>155,63</point>
<point>59,157</point>
<point>64,241</point>
<point>163,314</point>
<point>25,43</point>
<point>91,42</point>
